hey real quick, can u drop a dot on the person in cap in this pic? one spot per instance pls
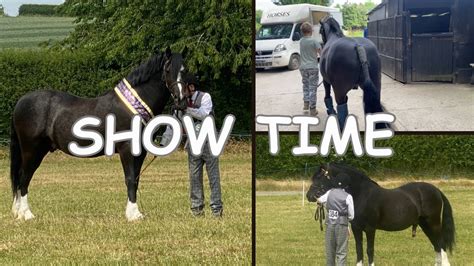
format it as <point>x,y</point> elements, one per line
<point>340,206</point>
<point>199,107</point>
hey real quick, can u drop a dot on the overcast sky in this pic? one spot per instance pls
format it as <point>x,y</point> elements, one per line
<point>263,4</point>
<point>11,6</point>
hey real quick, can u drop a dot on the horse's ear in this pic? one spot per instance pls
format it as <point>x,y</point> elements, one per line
<point>168,52</point>
<point>184,53</point>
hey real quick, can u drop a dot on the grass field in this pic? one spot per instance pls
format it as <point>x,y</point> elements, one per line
<point>28,32</point>
<point>288,234</point>
<point>80,214</point>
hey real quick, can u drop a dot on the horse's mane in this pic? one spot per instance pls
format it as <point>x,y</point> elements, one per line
<point>145,70</point>
<point>353,172</point>
<point>334,25</point>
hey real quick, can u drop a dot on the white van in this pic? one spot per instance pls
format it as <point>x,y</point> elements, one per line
<point>277,40</point>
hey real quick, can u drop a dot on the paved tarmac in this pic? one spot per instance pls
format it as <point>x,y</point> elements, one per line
<point>429,106</point>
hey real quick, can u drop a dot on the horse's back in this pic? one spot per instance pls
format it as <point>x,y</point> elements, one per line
<point>428,196</point>
<point>340,59</point>
<point>50,114</point>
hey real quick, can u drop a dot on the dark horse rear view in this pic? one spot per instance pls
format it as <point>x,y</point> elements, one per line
<point>348,63</point>
<point>42,122</point>
<point>414,204</point>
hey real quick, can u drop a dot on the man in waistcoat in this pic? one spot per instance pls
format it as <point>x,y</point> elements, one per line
<point>340,208</point>
<point>199,107</point>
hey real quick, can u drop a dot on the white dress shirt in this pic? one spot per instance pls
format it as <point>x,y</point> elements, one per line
<point>204,110</point>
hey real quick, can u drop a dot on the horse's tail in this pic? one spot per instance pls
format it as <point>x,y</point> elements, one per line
<point>15,159</point>
<point>447,225</point>
<point>371,93</point>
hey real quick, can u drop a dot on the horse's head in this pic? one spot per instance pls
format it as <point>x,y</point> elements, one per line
<point>329,26</point>
<point>173,72</point>
<point>321,182</point>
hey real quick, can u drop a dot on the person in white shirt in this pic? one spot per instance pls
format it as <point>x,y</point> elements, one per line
<point>199,107</point>
<point>340,206</point>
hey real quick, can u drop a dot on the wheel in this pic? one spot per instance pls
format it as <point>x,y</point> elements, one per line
<point>294,62</point>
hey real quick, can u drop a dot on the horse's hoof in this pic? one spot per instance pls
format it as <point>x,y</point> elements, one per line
<point>25,215</point>
<point>137,217</point>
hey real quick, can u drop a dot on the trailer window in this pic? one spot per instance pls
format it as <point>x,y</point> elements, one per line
<point>318,15</point>
<point>430,20</point>
<point>275,31</point>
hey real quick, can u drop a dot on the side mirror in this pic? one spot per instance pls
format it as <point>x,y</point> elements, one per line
<point>296,36</point>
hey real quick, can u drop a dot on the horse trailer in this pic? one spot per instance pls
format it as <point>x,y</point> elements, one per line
<point>277,41</point>
<point>424,40</point>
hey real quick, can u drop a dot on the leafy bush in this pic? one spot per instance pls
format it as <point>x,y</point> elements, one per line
<point>438,155</point>
<point>217,33</point>
<point>80,73</point>
<point>37,10</point>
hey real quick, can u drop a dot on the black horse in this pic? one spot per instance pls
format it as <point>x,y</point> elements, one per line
<point>42,122</point>
<point>413,204</point>
<point>347,63</point>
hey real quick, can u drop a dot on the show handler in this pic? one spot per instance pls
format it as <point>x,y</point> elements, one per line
<point>340,206</point>
<point>199,107</point>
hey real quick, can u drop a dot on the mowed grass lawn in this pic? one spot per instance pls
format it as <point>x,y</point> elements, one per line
<point>288,234</point>
<point>80,214</point>
<point>28,32</point>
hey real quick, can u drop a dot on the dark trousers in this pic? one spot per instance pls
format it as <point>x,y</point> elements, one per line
<point>337,236</point>
<point>196,166</point>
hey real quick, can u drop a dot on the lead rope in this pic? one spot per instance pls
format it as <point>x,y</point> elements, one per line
<point>138,176</point>
<point>320,215</point>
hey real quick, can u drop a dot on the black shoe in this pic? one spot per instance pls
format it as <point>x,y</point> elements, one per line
<point>217,213</point>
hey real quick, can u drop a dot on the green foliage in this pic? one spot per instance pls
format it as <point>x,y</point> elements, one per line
<point>216,33</point>
<point>355,15</point>
<point>434,154</point>
<point>2,11</point>
<point>37,10</point>
<point>313,2</point>
<point>258,18</point>
<point>81,73</point>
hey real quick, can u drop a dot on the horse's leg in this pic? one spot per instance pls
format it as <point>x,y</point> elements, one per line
<point>432,229</point>
<point>31,155</point>
<point>370,235</point>
<point>342,110</point>
<point>357,232</point>
<point>131,167</point>
<point>328,99</point>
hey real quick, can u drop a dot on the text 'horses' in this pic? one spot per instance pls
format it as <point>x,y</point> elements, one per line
<point>412,204</point>
<point>42,122</point>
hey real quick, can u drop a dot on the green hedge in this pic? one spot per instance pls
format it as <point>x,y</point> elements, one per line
<point>414,155</point>
<point>23,71</point>
<point>37,10</point>
<point>89,75</point>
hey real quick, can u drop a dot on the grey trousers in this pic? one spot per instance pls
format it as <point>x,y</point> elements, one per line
<point>196,165</point>
<point>310,79</point>
<point>337,236</point>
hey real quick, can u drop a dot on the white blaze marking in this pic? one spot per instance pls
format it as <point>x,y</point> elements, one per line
<point>132,213</point>
<point>180,86</point>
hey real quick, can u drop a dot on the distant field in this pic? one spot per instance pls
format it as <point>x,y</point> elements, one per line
<point>80,214</point>
<point>28,32</point>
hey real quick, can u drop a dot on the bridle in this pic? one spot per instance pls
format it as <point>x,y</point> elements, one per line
<point>171,87</point>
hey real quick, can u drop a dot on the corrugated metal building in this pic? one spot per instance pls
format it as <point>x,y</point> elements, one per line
<point>424,40</point>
